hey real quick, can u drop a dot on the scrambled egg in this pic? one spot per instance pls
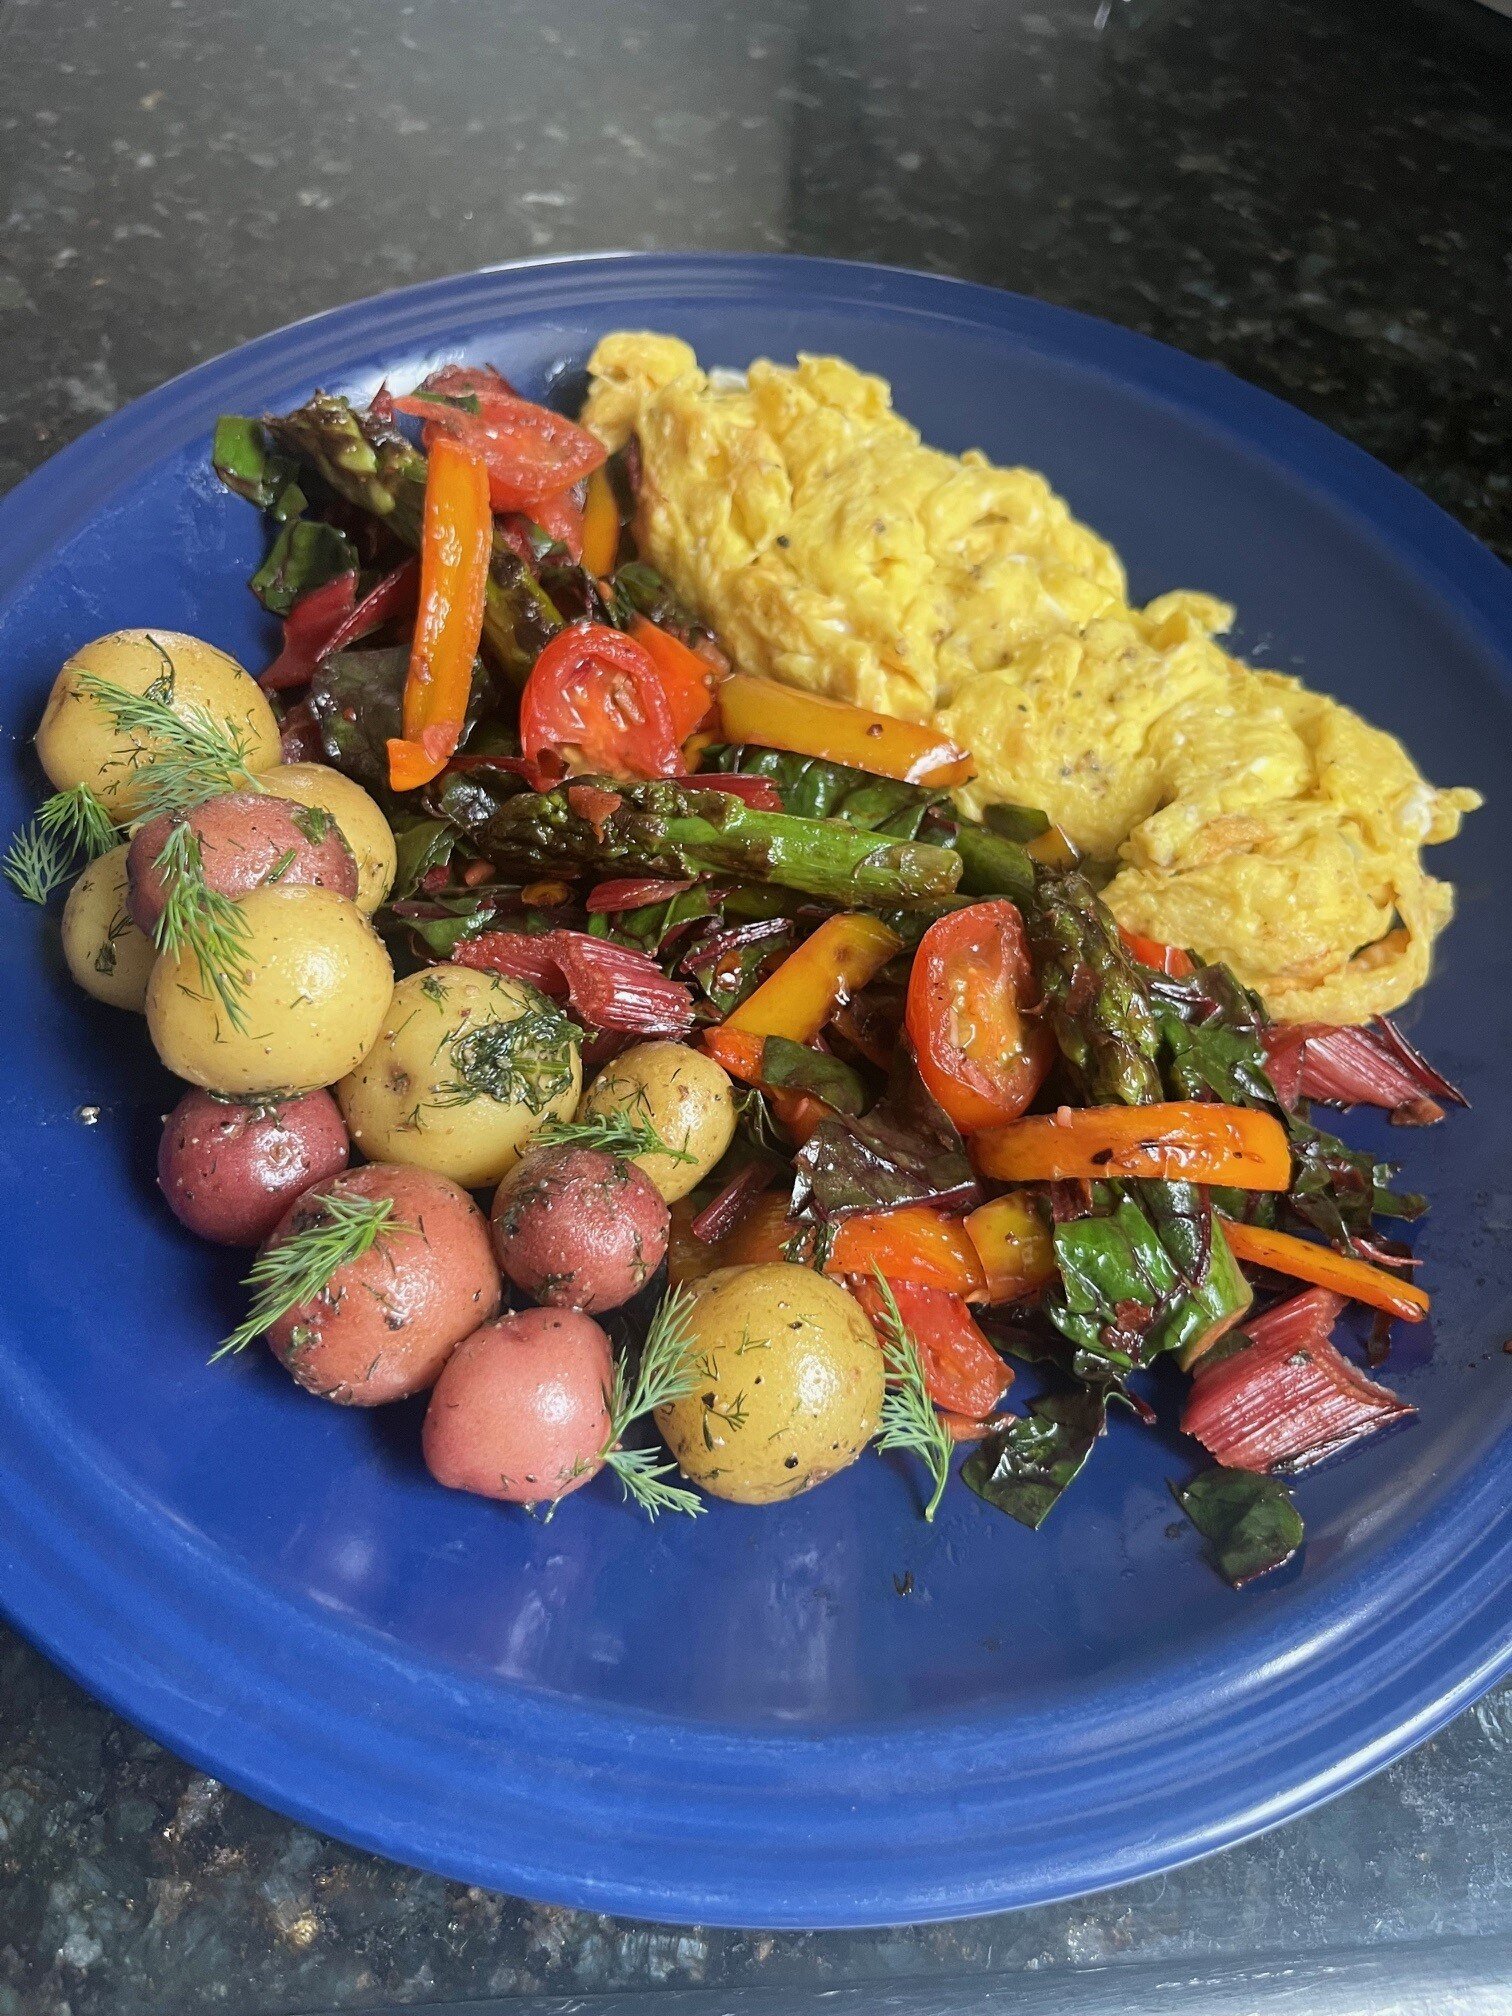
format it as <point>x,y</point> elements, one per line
<point>1234,811</point>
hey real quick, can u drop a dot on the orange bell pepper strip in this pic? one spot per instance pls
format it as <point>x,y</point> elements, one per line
<point>800,997</point>
<point>1171,960</point>
<point>962,1373</point>
<point>1190,1141</point>
<point>783,717</point>
<point>913,1243</point>
<point>687,680</point>
<point>601,525</point>
<point>760,1236</point>
<point>1304,1260</point>
<point>454,550</point>
<point>1014,1244</point>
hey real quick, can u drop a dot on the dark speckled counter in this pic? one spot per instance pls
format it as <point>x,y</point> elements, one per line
<point>1315,193</point>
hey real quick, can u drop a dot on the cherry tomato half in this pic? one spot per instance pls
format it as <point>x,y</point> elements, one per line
<point>980,1056</point>
<point>963,1373</point>
<point>595,693</point>
<point>530,452</point>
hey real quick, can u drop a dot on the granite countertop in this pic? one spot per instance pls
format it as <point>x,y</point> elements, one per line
<point>1312,192</point>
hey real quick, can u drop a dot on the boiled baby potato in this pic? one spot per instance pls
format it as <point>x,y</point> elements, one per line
<point>789,1384</point>
<point>466,1068</point>
<point>316,983</point>
<point>681,1093</point>
<point>79,742</point>
<point>106,953</point>
<point>357,817</point>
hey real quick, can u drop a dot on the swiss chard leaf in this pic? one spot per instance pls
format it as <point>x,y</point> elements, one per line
<point>814,789</point>
<point>904,1151</point>
<point>1023,1467</point>
<point>421,844</point>
<point>795,1067</point>
<point>306,554</point>
<point>1213,1060</point>
<point>638,590</point>
<point>1247,1519</point>
<point>357,698</point>
<point>247,462</point>
<point>1016,822</point>
<point>1337,1190</point>
<point>1139,1281</point>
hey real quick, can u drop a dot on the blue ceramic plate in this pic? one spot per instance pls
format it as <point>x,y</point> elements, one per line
<point>743,1720</point>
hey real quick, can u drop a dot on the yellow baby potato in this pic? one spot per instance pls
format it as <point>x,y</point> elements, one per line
<point>465,1071</point>
<point>681,1093</point>
<point>79,743</point>
<point>106,953</point>
<point>316,984</point>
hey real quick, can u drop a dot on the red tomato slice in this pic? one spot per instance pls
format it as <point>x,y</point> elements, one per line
<point>962,1371</point>
<point>595,693</point>
<point>530,452</point>
<point>971,979</point>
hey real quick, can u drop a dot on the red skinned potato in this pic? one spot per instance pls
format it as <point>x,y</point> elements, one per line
<point>577,1229</point>
<point>246,838</point>
<point>385,1324</point>
<point>521,1409</point>
<point>231,1168</point>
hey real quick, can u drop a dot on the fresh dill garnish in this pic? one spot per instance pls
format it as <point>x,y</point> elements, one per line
<point>313,821</point>
<point>182,759</point>
<point>909,1420</point>
<point>664,1375</point>
<point>433,987</point>
<point>299,1267</point>
<point>611,1134</point>
<point>42,855</point>
<point>282,865</point>
<point>203,922</point>
<point>526,1062</point>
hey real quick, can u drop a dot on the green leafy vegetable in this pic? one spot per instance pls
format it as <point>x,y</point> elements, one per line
<point>421,844</point>
<point>525,1062</point>
<point>1123,1299</point>
<point>247,462</point>
<point>306,554</point>
<point>909,1419</point>
<point>1024,1467</point>
<point>796,1067</point>
<point>810,788</point>
<point>1016,822</point>
<point>639,590</point>
<point>1248,1520</point>
<point>338,1230</point>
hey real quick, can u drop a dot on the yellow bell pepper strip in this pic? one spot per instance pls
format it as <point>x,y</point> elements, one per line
<point>775,716</point>
<point>454,551</point>
<point>601,525</point>
<point>1303,1260</point>
<point>1014,1244</point>
<point>1180,1141</point>
<point>916,1244</point>
<point>831,965</point>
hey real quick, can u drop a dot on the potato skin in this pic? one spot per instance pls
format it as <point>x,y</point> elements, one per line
<point>363,826</point>
<point>230,1171</point>
<point>520,1410</point>
<point>421,1094</point>
<point>245,841</point>
<point>687,1098</point>
<point>384,1325</point>
<point>106,953</point>
<point>794,1391</point>
<point>78,742</point>
<point>319,984</point>
<point>577,1229</point>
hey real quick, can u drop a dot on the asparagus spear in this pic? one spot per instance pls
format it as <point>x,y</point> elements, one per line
<point>1094,999</point>
<point>675,829</point>
<point>385,477</point>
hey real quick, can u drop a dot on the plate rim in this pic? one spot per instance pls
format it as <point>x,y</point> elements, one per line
<point>46,1587</point>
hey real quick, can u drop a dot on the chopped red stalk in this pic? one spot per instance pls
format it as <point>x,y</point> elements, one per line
<point>1285,1397</point>
<point>329,618</point>
<point>607,986</point>
<point>723,1213</point>
<point>632,892</point>
<point>760,793</point>
<point>541,773</point>
<point>1372,1066</point>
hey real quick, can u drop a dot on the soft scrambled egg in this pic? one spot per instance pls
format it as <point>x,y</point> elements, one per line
<point>1235,811</point>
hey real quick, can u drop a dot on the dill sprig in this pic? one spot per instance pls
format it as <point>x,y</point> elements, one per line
<point>41,856</point>
<point>299,1267</point>
<point>183,758</point>
<point>611,1134</point>
<point>909,1420</point>
<point>204,922</point>
<point>664,1375</point>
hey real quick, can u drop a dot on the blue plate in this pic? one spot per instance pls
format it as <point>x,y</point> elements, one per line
<point>744,1721</point>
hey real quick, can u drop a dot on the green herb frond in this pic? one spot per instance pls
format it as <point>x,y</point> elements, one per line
<point>203,922</point>
<point>293,1272</point>
<point>909,1420</point>
<point>41,856</point>
<point>183,758</point>
<point>525,1062</point>
<point>665,1374</point>
<point>611,1134</point>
